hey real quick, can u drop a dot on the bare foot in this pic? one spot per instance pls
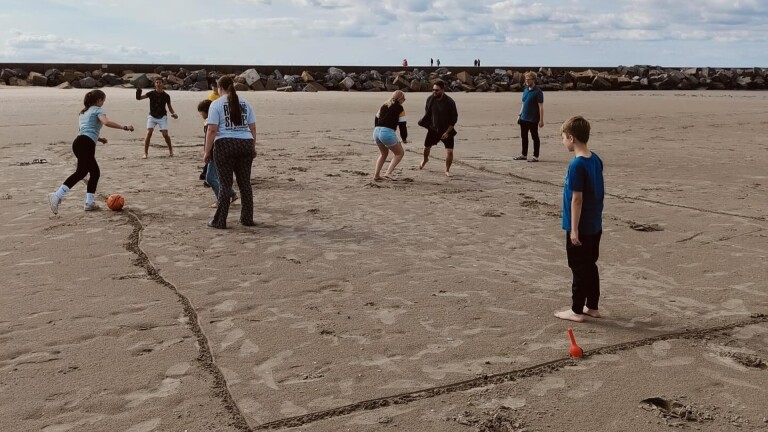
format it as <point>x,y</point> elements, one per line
<point>170,154</point>
<point>387,177</point>
<point>594,313</point>
<point>378,178</point>
<point>569,315</point>
<point>447,173</point>
<point>423,162</point>
<point>233,199</point>
<point>215,205</point>
<point>145,156</point>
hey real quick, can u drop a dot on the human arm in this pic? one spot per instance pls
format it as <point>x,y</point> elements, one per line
<point>453,117</point>
<point>576,202</point>
<point>252,128</point>
<point>170,108</point>
<point>109,123</point>
<point>139,96</point>
<point>541,114</point>
<point>403,131</point>
<point>210,136</point>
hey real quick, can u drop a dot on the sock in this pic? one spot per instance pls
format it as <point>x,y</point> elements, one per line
<point>63,189</point>
<point>88,198</point>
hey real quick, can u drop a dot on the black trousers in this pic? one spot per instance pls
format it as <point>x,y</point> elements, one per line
<point>85,151</point>
<point>233,156</point>
<point>585,289</point>
<point>533,128</point>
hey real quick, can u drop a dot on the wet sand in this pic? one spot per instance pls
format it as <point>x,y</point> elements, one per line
<point>418,304</point>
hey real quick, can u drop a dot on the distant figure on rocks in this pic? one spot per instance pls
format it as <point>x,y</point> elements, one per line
<point>91,119</point>
<point>438,62</point>
<point>440,117</point>
<point>583,195</point>
<point>478,62</point>
<point>390,116</point>
<point>531,117</point>
<point>431,62</point>
<point>475,62</point>
<point>405,62</point>
<point>158,116</point>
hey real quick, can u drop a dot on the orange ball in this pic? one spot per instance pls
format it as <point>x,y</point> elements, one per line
<point>115,202</point>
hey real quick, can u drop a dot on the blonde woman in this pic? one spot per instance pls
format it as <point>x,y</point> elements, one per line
<point>391,115</point>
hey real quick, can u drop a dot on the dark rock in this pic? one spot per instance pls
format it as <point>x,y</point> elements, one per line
<point>87,82</point>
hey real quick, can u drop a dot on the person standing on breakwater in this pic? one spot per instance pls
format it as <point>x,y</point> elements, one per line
<point>390,116</point>
<point>440,117</point>
<point>91,119</point>
<point>158,116</point>
<point>583,196</point>
<point>531,117</point>
<point>232,126</point>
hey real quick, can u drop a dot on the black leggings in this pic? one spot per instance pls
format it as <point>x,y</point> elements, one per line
<point>525,127</point>
<point>85,151</point>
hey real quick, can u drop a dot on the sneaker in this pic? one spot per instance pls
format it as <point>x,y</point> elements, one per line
<point>533,159</point>
<point>521,157</point>
<point>91,207</point>
<point>54,203</point>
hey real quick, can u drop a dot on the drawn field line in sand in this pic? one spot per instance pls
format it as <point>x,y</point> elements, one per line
<point>221,388</point>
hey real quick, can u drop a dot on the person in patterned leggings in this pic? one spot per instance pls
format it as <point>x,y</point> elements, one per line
<point>232,127</point>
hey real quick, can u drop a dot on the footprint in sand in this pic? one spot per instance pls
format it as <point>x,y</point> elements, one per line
<point>225,306</point>
<point>550,383</point>
<point>584,390</point>
<point>290,409</point>
<point>231,337</point>
<point>178,370</point>
<point>264,370</point>
<point>168,387</point>
<point>147,426</point>
<point>387,316</point>
<point>510,402</point>
<point>248,348</point>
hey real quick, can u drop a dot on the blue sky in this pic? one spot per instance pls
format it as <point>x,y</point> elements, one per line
<point>383,32</point>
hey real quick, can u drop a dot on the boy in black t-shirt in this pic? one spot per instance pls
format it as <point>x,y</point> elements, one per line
<point>158,116</point>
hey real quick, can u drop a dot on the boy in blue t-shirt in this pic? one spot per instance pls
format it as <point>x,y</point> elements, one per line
<point>583,195</point>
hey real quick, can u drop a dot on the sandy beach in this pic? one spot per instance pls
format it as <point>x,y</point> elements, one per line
<point>421,304</point>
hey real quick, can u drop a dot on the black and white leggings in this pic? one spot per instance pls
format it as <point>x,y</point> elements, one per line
<point>232,155</point>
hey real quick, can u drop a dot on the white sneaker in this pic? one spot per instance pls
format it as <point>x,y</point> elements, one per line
<point>91,207</point>
<point>54,203</point>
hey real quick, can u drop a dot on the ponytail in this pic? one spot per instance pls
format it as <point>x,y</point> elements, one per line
<point>235,114</point>
<point>91,98</point>
<point>396,95</point>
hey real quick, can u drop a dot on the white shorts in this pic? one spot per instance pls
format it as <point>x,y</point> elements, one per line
<point>162,122</point>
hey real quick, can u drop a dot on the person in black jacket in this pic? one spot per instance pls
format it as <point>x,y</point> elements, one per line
<point>391,115</point>
<point>440,117</point>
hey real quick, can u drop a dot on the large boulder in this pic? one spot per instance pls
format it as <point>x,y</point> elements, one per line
<point>38,79</point>
<point>87,82</point>
<point>307,77</point>
<point>464,77</point>
<point>250,76</point>
<point>241,87</point>
<point>336,74</point>
<point>258,85</point>
<point>272,84</point>
<point>314,86</point>
<point>138,80</point>
<point>347,83</point>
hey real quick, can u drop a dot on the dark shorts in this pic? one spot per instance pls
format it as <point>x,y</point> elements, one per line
<point>434,138</point>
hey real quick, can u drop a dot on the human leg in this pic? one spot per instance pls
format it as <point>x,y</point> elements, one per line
<point>167,138</point>
<point>592,289</point>
<point>383,153</point>
<point>146,142</point>
<point>524,127</point>
<point>398,152</point>
<point>242,168</point>
<point>430,140</point>
<point>224,158</point>
<point>536,141</point>
<point>448,143</point>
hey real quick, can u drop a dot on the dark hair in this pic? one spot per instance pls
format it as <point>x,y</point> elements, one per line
<point>158,79</point>
<point>235,115</point>
<point>577,127</point>
<point>204,105</point>
<point>91,98</point>
<point>440,83</point>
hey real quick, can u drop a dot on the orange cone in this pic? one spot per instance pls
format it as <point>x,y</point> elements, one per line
<point>575,350</point>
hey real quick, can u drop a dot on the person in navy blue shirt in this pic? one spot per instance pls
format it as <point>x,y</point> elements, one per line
<point>583,195</point>
<point>531,117</point>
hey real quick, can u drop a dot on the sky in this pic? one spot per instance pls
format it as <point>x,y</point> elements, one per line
<point>717,33</point>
